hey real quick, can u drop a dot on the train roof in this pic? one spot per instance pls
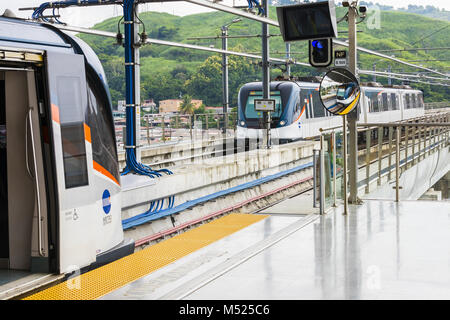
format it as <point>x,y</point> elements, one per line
<point>256,85</point>
<point>19,33</point>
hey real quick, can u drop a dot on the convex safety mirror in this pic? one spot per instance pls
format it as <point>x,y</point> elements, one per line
<point>339,91</point>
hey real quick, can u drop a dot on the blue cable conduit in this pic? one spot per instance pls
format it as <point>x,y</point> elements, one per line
<point>151,216</point>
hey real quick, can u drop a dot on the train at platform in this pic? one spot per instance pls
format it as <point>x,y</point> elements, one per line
<point>300,114</point>
<point>60,186</point>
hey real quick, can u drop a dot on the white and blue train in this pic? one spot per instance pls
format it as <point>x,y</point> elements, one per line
<point>299,112</point>
<point>60,189</point>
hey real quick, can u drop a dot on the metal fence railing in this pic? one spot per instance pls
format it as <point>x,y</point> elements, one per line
<point>385,151</point>
<point>437,105</point>
<point>159,129</point>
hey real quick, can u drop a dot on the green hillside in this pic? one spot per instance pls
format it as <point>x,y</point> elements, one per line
<point>169,72</point>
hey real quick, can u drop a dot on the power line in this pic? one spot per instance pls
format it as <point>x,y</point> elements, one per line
<point>387,75</point>
<point>414,49</point>
<point>434,32</point>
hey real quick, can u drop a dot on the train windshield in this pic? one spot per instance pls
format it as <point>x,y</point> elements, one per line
<point>344,91</point>
<point>251,113</point>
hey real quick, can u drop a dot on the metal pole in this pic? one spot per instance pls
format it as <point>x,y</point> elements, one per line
<point>225,95</point>
<point>190,126</point>
<point>368,145</point>
<point>406,147</point>
<point>344,133</point>
<point>333,141</point>
<point>374,75</point>
<point>315,177</point>
<point>413,146</point>
<point>389,78</point>
<point>397,163</point>
<point>380,153</point>
<point>207,126</point>
<point>322,175</point>
<point>288,56</point>
<point>148,131</point>
<point>353,116</point>
<point>137,82</point>
<point>266,72</point>
<point>163,129</point>
<point>390,153</point>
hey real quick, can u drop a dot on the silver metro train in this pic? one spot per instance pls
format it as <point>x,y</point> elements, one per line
<point>299,112</point>
<point>60,189</point>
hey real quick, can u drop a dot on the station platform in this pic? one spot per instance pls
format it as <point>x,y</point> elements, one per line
<point>380,250</point>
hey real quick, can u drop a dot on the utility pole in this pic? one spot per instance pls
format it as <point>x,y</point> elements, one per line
<point>266,73</point>
<point>288,57</point>
<point>137,82</point>
<point>225,93</point>
<point>353,116</point>
<point>132,83</point>
<point>225,78</point>
<point>374,69</point>
<point>389,78</point>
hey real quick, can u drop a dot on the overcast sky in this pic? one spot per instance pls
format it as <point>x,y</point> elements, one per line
<point>87,17</point>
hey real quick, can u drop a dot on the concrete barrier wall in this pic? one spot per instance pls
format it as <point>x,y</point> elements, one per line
<point>207,176</point>
<point>415,181</point>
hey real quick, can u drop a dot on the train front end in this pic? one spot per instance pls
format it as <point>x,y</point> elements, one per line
<point>60,189</point>
<point>251,126</point>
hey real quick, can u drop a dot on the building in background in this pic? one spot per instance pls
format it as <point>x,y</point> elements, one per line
<point>121,105</point>
<point>149,106</point>
<point>173,105</point>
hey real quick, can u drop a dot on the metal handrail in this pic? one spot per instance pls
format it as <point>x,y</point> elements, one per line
<point>421,124</point>
<point>431,136</point>
<point>36,179</point>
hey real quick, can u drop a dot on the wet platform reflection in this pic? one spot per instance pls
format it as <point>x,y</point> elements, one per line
<point>381,250</point>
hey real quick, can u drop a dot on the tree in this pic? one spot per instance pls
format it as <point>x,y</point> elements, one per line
<point>187,107</point>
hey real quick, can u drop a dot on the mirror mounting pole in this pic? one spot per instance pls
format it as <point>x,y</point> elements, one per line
<point>353,134</point>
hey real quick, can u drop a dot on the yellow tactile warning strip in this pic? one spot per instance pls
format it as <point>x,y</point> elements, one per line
<point>103,280</point>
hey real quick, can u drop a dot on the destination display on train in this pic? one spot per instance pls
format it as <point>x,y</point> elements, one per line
<point>265,105</point>
<point>259,93</point>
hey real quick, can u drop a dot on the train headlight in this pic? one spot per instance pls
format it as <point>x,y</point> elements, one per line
<point>282,123</point>
<point>242,123</point>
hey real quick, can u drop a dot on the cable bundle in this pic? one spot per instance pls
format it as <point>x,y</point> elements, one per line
<point>39,12</point>
<point>133,166</point>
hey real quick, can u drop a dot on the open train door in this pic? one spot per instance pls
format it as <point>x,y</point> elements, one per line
<point>25,251</point>
<point>67,92</point>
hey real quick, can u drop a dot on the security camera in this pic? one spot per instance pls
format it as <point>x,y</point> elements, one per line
<point>363,9</point>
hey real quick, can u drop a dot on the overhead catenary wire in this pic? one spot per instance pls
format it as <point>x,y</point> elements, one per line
<point>235,11</point>
<point>196,47</point>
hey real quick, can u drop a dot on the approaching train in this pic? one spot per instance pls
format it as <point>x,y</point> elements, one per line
<point>60,190</point>
<point>299,112</point>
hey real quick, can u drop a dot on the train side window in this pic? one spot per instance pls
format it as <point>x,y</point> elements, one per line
<point>373,101</point>
<point>415,101</point>
<point>421,103</point>
<point>407,104</point>
<point>319,110</point>
<point>394,103</point>
<point>384,96</point>
<point>99,119</point>
<point>72,131</point>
